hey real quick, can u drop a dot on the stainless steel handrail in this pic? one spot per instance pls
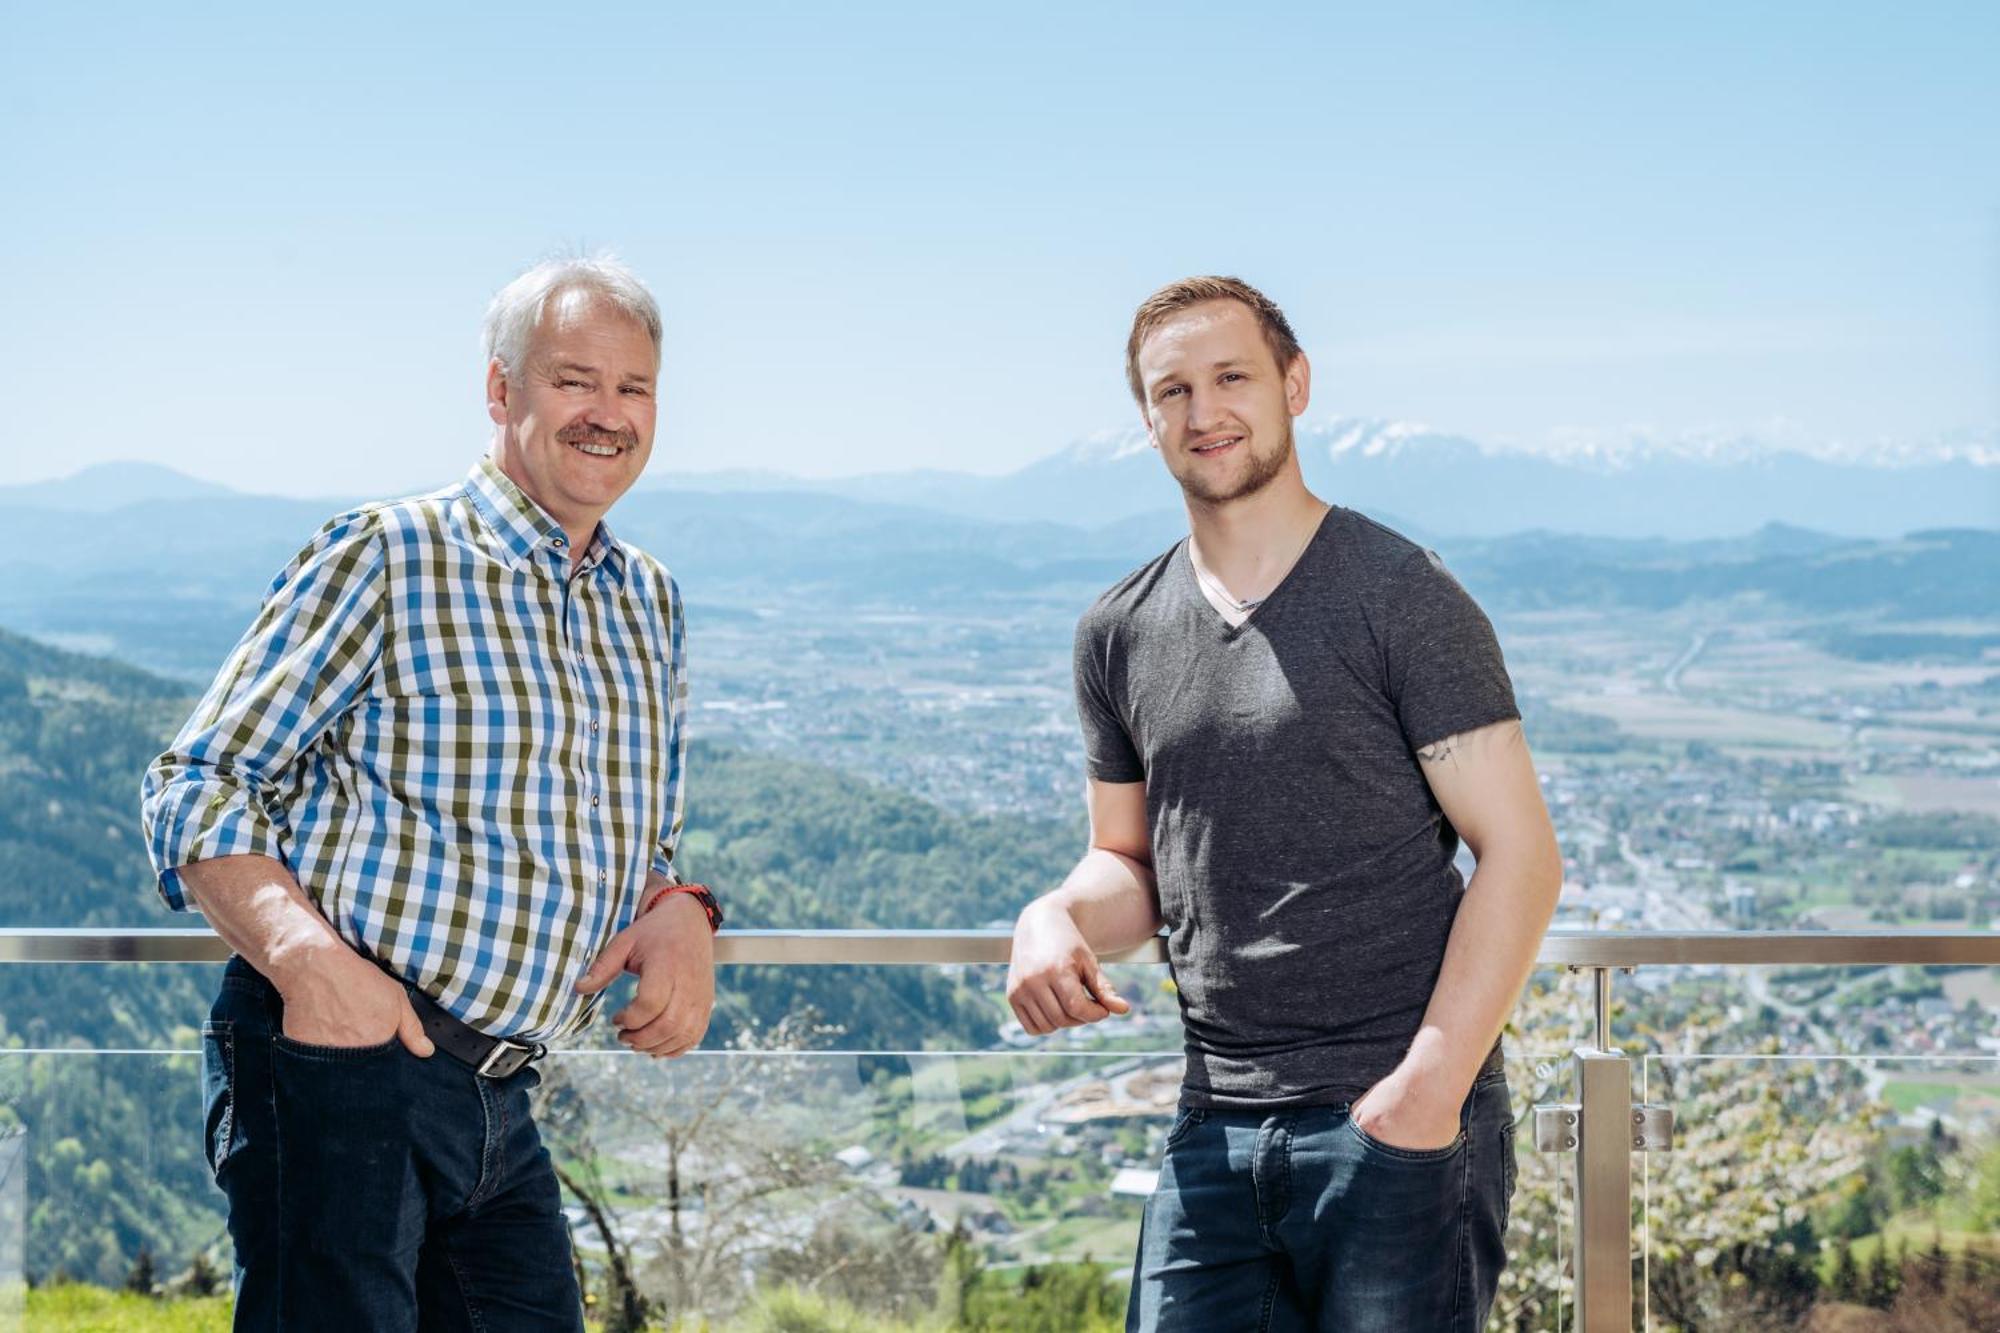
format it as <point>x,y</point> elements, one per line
<point>1562,948</point>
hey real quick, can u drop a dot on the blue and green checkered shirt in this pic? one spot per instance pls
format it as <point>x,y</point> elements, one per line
<point>469,760</point>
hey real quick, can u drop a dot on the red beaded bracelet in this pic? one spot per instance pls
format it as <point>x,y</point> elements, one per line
<point>702,894</point>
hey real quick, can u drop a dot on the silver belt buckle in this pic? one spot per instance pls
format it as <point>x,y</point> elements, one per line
<point>492,1065</point>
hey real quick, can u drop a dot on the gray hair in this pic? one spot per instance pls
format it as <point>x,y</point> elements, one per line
<point>515,313</point>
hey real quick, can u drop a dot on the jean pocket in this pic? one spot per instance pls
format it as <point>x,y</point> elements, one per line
<point>218,1093</point>
<point>1186,1121</point>
<point>1393,1153</point>
<point>305,1050</point>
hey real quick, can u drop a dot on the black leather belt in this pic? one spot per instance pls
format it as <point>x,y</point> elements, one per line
<point>489,1057</point>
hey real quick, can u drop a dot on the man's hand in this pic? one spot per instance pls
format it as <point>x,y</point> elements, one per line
<point>1399,1112</point>
<point>672,952</point>
<point>338,998</point>
<point>1054,980</point>
<point>333,996</point>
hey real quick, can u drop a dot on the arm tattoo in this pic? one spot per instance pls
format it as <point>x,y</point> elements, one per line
<point>1484,738</point>
<point>1439,751</point>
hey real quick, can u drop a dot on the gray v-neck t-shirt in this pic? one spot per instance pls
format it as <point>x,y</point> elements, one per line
<point>1305,870</point>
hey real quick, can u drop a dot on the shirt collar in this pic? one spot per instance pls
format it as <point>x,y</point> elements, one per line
<point>607,554</point>
<point>521,526</point>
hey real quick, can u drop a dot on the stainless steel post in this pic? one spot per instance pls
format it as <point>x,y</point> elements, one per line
<point>1604,1193</point>
<point>1603,1176</point>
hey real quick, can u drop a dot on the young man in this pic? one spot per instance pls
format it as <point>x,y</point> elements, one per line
<point>1291,719</point>
<point>432,802</point>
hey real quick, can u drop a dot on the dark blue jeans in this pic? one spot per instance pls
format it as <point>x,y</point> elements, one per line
<point>370,1189</point>
<point>1291,1220</point>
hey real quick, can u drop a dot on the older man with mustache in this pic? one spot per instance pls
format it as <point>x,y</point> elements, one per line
<point>432,801</point>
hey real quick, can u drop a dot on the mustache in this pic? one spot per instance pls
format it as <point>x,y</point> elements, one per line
<point>582,432</point>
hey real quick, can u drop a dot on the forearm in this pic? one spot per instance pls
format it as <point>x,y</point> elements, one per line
<point>1491,949</point>
<point>258,908</point>
<point>1111,897</point>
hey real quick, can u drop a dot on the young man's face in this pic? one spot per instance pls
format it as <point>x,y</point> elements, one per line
<point>1217,404</point>
<point>576,421</point>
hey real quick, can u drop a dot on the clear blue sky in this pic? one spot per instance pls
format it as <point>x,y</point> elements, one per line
<point>255,245</point>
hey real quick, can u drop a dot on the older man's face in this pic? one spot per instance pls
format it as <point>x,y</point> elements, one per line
<point>576,420</point>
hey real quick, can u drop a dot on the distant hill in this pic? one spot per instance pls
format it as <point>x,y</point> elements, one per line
<point>104,487</point>
<point>1932,574</point>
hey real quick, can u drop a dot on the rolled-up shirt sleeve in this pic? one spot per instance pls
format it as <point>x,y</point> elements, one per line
<point>675,804</point>
<point>300,666</point>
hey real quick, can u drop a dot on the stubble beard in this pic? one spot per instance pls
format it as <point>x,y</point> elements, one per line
<point>1262,471</point>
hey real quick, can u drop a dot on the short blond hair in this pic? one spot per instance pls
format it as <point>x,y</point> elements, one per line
<point>1175,297</point>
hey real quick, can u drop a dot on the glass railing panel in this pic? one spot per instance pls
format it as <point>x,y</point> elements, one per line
<point>1537,1289</point>
<point>1536,1293</point>
<point>936,1153</point>
<point>744,1187</point>
<point>883,1187</point>
<point>1892,1010</point>
<point>894,1184</point>
<point>1822,1191</point>
<point>949,1007</point>
<point>1813,1048</point>
<point>833,1169</point>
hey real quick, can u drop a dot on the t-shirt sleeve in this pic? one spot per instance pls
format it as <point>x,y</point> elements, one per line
<point>1108,750</point>
<point>1445,672</point>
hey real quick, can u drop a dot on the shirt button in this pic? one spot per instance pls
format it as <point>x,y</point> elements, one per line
<point>558,543</point>
<point>593,725</point>
<point>593,802</point>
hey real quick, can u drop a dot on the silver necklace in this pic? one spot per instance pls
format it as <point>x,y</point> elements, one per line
<point>1224,593</point>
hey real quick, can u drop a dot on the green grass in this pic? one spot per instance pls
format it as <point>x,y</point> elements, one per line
<point>1819,892</point>
<point>1913,1234</point>
<point>1107,1240</point>
<point>75,1308</point>
<point>1876,790</point>
<point>1907,1097</point>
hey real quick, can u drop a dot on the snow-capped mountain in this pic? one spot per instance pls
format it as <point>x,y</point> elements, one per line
<point>1693,486</point>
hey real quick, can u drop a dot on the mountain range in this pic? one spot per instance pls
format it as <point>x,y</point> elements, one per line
<point>1452,486</point>
<point>1435,483</point>
<point>170,579</point>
